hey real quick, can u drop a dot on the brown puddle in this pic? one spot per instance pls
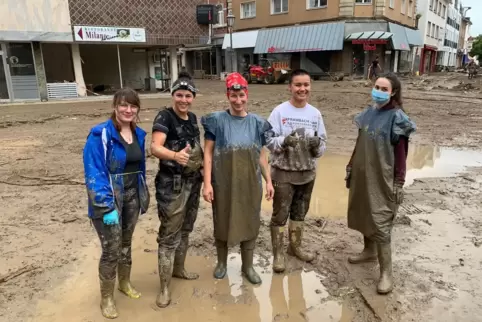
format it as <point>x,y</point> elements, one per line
<point>330,196</point>
<point>298,296</point>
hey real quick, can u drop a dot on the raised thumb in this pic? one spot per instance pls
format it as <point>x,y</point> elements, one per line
<point>187,148</point>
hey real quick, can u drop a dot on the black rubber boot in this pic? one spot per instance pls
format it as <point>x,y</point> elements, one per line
<point>222,265</point>
<point>247,253</point>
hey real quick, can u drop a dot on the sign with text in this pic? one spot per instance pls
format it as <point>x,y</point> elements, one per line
<point>368,47</point>
<point>109,34</point>
<point>369,42</point>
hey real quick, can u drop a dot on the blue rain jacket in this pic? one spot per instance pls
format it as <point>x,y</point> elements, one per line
<point>104,159</point>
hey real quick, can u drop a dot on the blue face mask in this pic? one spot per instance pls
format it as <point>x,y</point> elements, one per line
<point>380,97</point>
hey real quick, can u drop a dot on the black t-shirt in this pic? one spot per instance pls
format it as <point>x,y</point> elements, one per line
<point>133,162</point>
<point>178,132</point>
<point>375,64</point>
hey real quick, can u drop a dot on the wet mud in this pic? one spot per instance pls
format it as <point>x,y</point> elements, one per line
<point>50,251</point>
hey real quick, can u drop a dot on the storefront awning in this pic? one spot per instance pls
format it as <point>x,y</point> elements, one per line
<point>414,37</point>
<point>315,37</point>
<point>370,35</point>
<point>399,39</point>
<point>243,39</point>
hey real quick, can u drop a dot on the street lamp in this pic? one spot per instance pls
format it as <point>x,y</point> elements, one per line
<point>231,19</point>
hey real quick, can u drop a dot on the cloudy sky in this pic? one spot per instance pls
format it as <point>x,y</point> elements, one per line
<point>475,13</point>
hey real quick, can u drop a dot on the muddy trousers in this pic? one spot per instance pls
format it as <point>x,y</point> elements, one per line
<point>382,251</point>
<point>116,242</point>
<point>290,201</point>
<point>247,255</point>
<point>177,204</point>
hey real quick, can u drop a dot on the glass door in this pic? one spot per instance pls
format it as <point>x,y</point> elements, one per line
<point>3,79</point>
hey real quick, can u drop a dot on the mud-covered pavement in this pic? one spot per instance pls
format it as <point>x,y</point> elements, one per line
<point>49,250</point>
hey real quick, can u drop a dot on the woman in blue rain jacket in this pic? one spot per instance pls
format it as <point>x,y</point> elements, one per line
<point>115,177</point>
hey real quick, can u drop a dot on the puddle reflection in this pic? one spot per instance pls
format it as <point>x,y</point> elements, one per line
<point>330,195</point>
<point>298,296</point>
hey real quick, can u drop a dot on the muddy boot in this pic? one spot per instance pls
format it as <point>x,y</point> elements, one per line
<point>107,304</point>
<point>369,253</point>
<point>221,267</point>
<point>296,236</point>
<point>277,240</point>
<point>124,275</point>
<point>166,264</point>
<point>247,253</point>
<point>385,285</point>
<point>179,260</point>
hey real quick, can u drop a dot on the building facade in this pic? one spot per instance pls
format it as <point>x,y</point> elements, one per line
<point>447,55</point>
<point>326,36</point>
<point>432,25</point>
<point>68,48</point>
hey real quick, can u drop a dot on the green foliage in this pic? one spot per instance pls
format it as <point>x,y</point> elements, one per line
<point>477,47</point>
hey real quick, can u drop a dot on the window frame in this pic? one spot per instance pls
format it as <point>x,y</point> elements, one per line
<point>272,4</point>
<point>363,2</point>
<point>309,7</point>
<point>241,11</point>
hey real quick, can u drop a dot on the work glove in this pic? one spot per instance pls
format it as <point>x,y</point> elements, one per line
<point>398,192</point>
<point>348,177</point>
<point>314,142</point>
<point>111,218</point>
<point>291,140</point>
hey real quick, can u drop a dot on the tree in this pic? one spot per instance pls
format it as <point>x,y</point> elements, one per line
<point>477,47</point>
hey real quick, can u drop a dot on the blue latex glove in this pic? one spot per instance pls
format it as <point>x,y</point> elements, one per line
<point>111,218</point>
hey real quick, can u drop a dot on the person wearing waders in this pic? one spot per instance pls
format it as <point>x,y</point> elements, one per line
<point>176,142</point>
<point>296,141</point>
<point>234,161</point>
<point>115,177</point>
<point>375,174</point>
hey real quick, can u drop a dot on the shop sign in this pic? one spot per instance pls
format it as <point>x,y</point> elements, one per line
<point>109,34</point>
<point>368,47</point>
<point>369,41</point>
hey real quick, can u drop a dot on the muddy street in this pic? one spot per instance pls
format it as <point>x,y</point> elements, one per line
<point>50,251</point>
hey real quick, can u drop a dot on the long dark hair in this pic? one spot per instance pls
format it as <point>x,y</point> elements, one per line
<point>127,95</point>
<point>396,99</point>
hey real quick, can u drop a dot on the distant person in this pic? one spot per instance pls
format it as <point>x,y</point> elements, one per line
<point>297,140</point>
<point>176,143</point>
<point>115,176</point>
<point>376,172</point>
<point>374,69</point>
<point>234,161</point>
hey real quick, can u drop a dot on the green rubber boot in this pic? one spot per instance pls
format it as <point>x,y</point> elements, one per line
<point>125,286</point>
<point>247,253</point>
<point>369,253</point>
<point>222,265</point>
<point>385,285</point>
<point>296,236</point>
<point>107,303</point>
<point>277,240</point>
<point>179,260</point>
<point>166,265</point>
